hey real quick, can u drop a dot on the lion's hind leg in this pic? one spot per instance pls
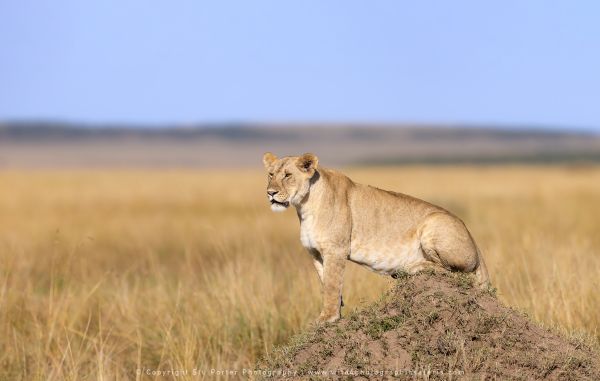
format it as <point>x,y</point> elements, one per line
<point>424,265</point>
<point>446,242</point>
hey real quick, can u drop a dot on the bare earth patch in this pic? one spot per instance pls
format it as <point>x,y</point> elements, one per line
<point>438,327</point>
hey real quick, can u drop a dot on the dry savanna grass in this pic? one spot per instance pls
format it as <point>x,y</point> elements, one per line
<point>103,273</point>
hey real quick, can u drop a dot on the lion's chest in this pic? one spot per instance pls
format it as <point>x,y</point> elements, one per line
<point>308,233</point>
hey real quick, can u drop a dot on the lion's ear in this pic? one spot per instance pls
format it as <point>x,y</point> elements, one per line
<point>268,159</point>
<point>307,162</point>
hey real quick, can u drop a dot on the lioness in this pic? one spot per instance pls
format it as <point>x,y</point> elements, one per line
<point>382,230</point>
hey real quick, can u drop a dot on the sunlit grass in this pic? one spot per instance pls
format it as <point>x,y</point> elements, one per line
<point>106,272</point>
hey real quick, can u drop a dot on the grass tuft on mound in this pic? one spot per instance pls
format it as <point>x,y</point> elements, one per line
<point>439,327</point>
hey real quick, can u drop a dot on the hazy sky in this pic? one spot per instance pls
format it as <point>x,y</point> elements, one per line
<point>500,62</point>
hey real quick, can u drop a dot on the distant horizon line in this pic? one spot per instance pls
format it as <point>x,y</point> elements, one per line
<point>66,123</point>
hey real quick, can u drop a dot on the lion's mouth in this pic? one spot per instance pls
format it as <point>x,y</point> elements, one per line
<point>284,203</point>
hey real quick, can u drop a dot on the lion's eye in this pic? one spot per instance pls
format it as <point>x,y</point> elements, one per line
<point>270,175</point>
<point>287,175</point>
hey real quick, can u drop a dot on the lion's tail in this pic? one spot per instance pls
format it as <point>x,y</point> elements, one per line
<point>481,272</point>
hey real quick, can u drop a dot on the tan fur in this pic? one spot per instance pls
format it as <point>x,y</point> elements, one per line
<point>385,231</point>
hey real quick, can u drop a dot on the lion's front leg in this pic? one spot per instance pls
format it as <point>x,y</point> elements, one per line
<point>333,278</point>
<point>318,263</point>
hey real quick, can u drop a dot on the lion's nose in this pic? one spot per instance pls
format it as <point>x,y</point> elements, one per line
<point>272,192</point>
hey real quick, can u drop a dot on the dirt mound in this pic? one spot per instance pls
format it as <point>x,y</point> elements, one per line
<point>438,327</point>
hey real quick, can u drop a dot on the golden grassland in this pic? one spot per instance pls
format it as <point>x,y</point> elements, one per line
<point>106,272</point>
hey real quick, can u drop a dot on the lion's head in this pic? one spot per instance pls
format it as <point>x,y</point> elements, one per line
<point>288,179</point>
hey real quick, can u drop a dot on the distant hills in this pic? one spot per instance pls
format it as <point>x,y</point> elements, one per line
<point>55,145</point>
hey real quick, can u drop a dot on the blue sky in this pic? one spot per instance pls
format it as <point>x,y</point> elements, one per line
<point>141,61</point>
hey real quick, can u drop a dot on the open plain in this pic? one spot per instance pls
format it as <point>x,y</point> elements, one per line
<point>123,274</point>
